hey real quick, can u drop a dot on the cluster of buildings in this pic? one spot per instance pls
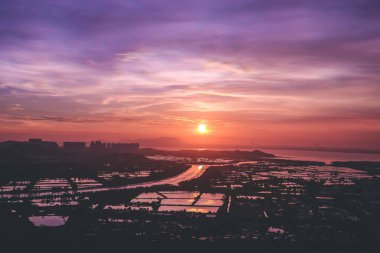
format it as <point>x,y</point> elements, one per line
<point>77,145</point>
<point>102,146</point>
<point>44,144</point>
<point>115,147</point>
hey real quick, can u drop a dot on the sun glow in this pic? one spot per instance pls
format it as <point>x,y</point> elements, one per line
<point>202,129</point>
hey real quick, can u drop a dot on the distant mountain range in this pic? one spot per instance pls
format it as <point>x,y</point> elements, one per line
<point>173,142</point>
<point>212,154</point>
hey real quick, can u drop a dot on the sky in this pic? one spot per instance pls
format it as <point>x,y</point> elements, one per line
<point>256,72</point>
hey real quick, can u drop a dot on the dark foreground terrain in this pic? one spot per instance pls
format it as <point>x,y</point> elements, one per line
<point>239,201</point>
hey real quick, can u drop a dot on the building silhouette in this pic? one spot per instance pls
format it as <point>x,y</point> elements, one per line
<point>43,144</point>
<point>115,147</point>
<point>70,145</point>
<point>98,145</point>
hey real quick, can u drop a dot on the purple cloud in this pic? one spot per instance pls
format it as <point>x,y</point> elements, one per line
<point>235,62</point>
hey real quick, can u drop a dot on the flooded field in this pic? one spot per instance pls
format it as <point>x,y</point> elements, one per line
<point>14,186</point>
<point>60,186</point>
<point>109,176</point>
<point>243,173</point>
<point>82,183</point>
<point>52,185</point>
<point>48,220</point>
<point>174,201</point>
<point>329,175</point>
<point>58,201</point>
<point>190,160</point>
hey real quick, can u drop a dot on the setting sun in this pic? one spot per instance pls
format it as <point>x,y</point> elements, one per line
<point>202,129</point>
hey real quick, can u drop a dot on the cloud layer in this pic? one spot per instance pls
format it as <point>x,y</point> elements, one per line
<point>264,72</point>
